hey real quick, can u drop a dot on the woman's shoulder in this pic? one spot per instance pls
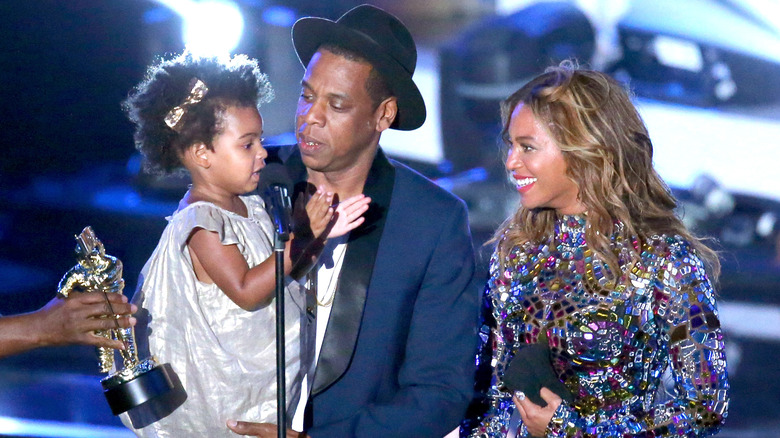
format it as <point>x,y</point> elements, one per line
<point>668,247</point>
<point>675,255</point>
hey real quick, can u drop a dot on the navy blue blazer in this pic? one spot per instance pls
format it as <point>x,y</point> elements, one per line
<point>397,359</point>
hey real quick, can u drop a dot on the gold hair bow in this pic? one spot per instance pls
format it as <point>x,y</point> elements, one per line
<point>198,91</point>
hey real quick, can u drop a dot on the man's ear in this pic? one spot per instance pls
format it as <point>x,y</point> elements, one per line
<point>199,155</point>
<point>386,111</point>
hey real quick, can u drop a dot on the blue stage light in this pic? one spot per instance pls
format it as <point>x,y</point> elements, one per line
<point>279,16</point>
<point>44,429</point>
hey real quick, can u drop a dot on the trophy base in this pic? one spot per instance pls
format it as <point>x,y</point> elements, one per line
<point>125,395</point>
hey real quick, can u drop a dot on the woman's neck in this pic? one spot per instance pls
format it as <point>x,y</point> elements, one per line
<point>570,230</point>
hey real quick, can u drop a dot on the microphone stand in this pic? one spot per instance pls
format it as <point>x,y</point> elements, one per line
<point>280,214</point>
<point>281,404</point>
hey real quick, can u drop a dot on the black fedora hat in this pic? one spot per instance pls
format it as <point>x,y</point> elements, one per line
<point>379,37</point>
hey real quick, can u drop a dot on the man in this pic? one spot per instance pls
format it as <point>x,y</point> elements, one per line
<point>396,304</point>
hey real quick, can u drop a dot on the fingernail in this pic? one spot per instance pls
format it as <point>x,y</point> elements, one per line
<point>133,308</point>
<point>232,423</point>
<point>520,395</point>
<point>132,320</point>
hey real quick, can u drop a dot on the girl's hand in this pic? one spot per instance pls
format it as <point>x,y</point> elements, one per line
<point>349,215</point>
<point>320,211</point>
<point>322,221</point>
<point>326,221</point>
<point>535,417</point>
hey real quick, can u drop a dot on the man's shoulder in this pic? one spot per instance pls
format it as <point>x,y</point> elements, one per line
<point>422,188</point>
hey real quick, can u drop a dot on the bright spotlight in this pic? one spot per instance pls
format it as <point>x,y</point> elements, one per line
<point>212,27</point>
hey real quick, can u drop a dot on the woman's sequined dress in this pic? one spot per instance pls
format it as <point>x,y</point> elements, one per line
<point>611,345</point>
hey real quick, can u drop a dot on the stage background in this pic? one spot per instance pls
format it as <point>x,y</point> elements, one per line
<point>705,75</point>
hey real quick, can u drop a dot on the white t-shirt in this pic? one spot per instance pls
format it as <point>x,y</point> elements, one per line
<point>328,271</point>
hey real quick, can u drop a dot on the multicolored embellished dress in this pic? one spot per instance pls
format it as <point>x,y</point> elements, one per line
<point>643,358</point>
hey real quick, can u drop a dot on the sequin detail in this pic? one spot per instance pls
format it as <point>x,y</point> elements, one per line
<point>614,339</point>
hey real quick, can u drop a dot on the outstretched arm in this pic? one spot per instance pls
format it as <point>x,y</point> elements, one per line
<point>65,321</point>
<point>252,288</point>
<point>323,221</point>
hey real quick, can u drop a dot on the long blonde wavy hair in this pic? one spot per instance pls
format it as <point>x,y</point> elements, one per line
<point>609,156</point>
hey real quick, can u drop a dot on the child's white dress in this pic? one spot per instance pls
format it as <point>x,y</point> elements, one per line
<point>225,356</point>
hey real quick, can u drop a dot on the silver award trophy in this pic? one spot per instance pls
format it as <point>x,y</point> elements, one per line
<point>137,381</point>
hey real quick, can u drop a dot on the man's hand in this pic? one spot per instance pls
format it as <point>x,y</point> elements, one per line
<point>65,321</point>
<point>73,320</point>
<point>261,430</point>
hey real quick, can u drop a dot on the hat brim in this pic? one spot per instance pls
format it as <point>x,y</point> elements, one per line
<point>309,33</point>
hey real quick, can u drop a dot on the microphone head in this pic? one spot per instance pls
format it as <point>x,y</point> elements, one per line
<point>275,187</point>
<point>279,197</point>
<point>277,202</point>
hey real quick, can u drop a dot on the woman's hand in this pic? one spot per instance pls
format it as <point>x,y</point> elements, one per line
<point>535,417</point>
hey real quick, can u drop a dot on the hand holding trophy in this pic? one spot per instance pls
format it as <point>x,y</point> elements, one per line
<point>137,381</point>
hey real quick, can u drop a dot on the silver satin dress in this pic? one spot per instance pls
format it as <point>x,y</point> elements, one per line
<point>225,356</point>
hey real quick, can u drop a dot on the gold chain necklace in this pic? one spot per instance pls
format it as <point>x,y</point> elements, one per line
<point>331,289</point>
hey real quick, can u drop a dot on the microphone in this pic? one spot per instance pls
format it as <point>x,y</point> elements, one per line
<point>279,209</point>
<point>277,199</point>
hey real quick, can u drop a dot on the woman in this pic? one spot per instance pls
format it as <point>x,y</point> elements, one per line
<point>596,266</point>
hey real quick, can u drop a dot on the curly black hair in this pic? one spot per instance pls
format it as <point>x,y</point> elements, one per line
<point>235,81</point>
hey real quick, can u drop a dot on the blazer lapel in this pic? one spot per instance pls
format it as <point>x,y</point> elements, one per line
<point>347,313</point>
